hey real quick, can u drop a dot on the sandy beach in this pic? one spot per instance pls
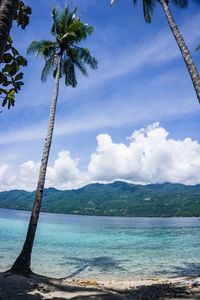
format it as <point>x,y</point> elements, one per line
<point>36,287</point>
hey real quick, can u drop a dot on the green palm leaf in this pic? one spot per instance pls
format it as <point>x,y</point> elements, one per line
<point>69,72</point>
<point>61,58</point>
<point>82,55</point>
<point>48,68</point>
<point>148,6</point>
<point>44,48</point>
<point>68,31</point>
<point>80,65</point>
<point>56,25</point>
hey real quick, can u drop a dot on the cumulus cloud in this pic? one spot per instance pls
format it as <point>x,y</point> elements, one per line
<point>147,156</point>
<point>65,173</point>
<point>24,177</point>
<point>5,178</point>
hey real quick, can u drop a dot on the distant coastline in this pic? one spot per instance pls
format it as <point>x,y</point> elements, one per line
<point>118,199</point>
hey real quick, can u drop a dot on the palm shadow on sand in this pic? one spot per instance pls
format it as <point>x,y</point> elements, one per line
<point>15,287</point>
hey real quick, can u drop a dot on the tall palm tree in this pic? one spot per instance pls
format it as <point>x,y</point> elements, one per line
<point>62,57</point>
<point>148,6</point>
<point>7,13</point>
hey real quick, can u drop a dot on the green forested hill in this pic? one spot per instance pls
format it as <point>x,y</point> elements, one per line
<point>115,199</point>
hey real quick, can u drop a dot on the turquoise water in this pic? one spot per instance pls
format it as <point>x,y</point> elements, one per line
<point>110,247</point>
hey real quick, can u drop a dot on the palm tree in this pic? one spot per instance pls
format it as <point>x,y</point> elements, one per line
<point>148,6</point>
<point>62,57</point>
<point>7,13</point>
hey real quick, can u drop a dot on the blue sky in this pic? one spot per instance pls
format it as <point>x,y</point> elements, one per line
<point>141,80</point>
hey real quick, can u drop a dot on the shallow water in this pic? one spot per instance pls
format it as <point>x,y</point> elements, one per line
<point>104,247</point>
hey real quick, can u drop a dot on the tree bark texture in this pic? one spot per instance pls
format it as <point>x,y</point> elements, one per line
<point>183,48</point>
<point>22,265</point>
<point>7,13</point>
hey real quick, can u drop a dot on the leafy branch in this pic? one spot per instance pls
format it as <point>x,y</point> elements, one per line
<point>12,62</point>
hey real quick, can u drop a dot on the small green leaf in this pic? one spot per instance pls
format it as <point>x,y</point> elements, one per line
<point>20,83</point>
<point>6,82</point>
<point>4,101</point>
<point>27,10</point>
<point>14,51</point>
<point>21,60</point>
<point>10,41</point>
<point>11,92</point>
<point>12,69</point>
<point>3,91</point>
<point>19,76</point>
<point>7,58</point>
<point>6,69</point>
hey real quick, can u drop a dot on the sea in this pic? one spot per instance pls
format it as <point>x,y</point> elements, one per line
<point>70,246</point>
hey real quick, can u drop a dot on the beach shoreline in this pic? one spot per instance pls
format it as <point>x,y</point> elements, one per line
<point>38,287</point>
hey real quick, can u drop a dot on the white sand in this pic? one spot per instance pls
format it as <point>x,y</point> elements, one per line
<point>36,287</point>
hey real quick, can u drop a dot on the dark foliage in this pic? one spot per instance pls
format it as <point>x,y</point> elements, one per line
<point>12,62</point>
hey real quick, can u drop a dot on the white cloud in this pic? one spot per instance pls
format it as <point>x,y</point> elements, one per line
<point>65,173</point>
<point>6,179</point>
<point>148,156</point>
<point>27,178</point>
<point>3,173</point>
<point>24,177</point>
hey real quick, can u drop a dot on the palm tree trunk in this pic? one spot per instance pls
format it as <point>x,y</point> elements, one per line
<point>22,264</point>
<point>183,48</point>
<point>7,14</point>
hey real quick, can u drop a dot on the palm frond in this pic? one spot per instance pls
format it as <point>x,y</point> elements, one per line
<point>180,3</point>
<point>68,36</point>
<point>71,16</point>
<point>83,54</point>
<point>44,48</point>
<point>55,30</point>
<point>35,47</point>
<point>80,30</point>
<point>148,6</point>
<point>80,65</point>
<point>63,19</point>
<point>68,32</point>
<point>48,68</point>
<point>69,72</point>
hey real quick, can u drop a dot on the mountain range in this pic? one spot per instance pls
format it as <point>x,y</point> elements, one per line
<point>113,199</point>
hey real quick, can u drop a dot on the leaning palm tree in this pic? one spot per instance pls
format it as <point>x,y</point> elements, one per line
<point>7,13</point>
<point>62,56</point>
<point>148,6</point>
